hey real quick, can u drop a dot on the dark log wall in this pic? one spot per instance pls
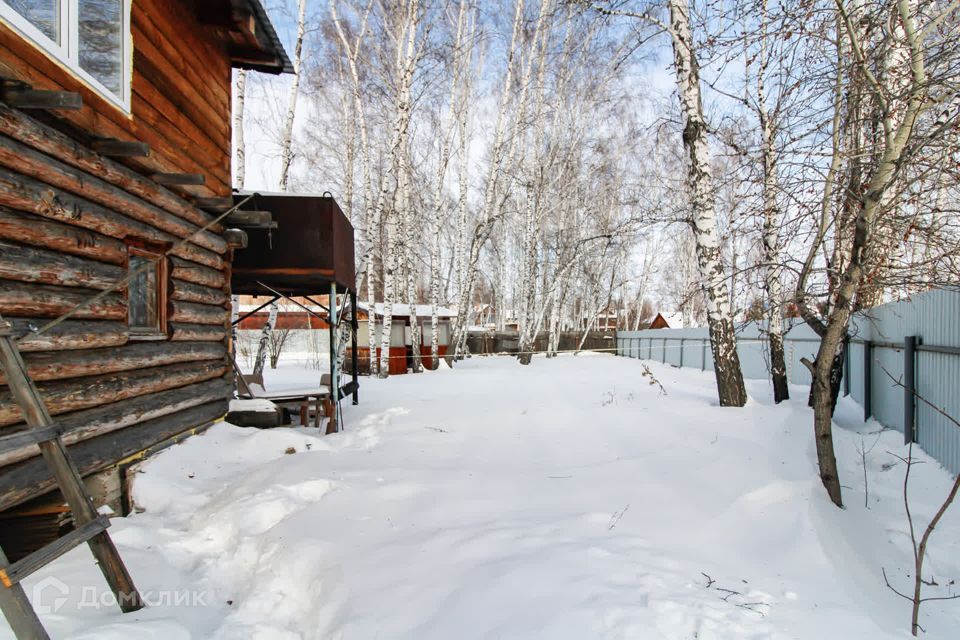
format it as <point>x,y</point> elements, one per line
<point>66,215</point>
<point>180,100</point>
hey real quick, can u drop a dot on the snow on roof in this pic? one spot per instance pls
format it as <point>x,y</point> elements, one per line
<point>400,309</point>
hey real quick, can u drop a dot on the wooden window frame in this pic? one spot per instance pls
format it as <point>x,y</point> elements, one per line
<point>156,252</point>
<point>67,52</point>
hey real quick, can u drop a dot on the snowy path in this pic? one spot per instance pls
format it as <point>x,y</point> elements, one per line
<point>567,499</point>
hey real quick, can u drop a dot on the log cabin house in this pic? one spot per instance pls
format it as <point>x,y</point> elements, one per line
<point>115,146</point>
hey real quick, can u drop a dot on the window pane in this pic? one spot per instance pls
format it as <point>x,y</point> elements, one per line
<point>142,294</point>
<point>101,41</point>
<point>43,14</point>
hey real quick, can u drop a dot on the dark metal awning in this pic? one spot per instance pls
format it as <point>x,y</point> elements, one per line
<point>310,247</point>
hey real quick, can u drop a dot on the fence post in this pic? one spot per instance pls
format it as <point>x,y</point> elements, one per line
<point>703,355</point>
<point>663,353</point>
<point>681,352</point>
<point>909,389</point>
<point>846,365</point>
<point>649,348</point>
<point>867,382</point>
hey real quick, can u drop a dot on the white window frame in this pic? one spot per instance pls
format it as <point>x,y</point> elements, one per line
<point>67,52</point>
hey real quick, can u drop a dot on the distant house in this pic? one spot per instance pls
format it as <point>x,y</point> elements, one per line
<point>659,322</point>
<point>115,159</point>
<point>401,351</point>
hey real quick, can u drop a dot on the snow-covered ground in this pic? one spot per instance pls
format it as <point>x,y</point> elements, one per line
<point>567,499</point>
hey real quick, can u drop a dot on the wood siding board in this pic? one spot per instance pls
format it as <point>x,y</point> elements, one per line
<point>197,332</point>
<point>29,264</point>
<point>24,160</point>
<point>62,365</point>
<point>198,274</point>
<point>69,335</point>
<point>64,396</point>
<point>193,313</point>
<point>29,131</point>
<point>26,194</point>
<point>40,232</point>
<point>90,423</point>
<point>28,300</point>
<point>189,292</point>
<point>31,478</point>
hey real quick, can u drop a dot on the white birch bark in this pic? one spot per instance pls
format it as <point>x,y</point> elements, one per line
<point>286,139</point>
<point>369,210</point>
<point>264,345</point>
<point>719,315</point>
<point>239,145</point>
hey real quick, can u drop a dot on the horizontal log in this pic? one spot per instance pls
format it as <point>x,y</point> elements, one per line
<point>31,478</point>
<point>198,274</point>
<point>41,232</point>
<point>193,313</point>
<point>27,300</point>
<point>182,179</point>
<point>22,159</point>
<point>189,292</point>
<point>249,219</point>
<point>60,365</point>
<point>236,238</point>
<point>68,335</point>
<point>211,332</point>
<point>64,396</point>
<point>90,423</point>
<point>26,194</point>
<point>28,264</point>
<point>121,148</point>
<point>214,204</point>
<point>26,98</point>
<point>41,137</point>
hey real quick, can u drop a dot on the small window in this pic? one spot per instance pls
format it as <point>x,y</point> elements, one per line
<point>90,37</point>
<point>147,292</point>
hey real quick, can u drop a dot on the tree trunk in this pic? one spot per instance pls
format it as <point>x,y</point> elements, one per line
<point>286,140</point>
<point>723,342</point>
<point>265,340</point>
<point>239,144</point>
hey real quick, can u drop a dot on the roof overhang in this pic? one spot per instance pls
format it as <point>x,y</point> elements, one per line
<point>251,39</point>
<point>310,248</point>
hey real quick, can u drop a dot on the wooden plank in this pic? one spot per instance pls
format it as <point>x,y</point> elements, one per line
<point>30,478</point>
<point>41,232</point>
<point>180,179</point>
<point>19,570</point>
<point>66,476</point>
<point>24,160</point>
<point>23,97</point>
<point>121,148</point>
<point>28,264</point>
<point>19,612</point>
<point>214,204</point>
<point>192,313</point>
<point>63,396</point>
<point>68,335</point>
<point>26,194</point>
<point>30,436</point>
<point>100,420</point>
<point>189,292</point>
<point>23,128</point>
<point>27,300</point>
<point>236,238</point>
<point>60,365</point>
<point>242,218</point>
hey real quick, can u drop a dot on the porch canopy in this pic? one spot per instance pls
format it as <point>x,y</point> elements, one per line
<point>309,248</point>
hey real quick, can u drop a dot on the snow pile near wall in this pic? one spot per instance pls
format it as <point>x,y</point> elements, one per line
<point>567,499</point>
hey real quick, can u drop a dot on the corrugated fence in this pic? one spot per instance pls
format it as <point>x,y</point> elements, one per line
<point>876,350</point>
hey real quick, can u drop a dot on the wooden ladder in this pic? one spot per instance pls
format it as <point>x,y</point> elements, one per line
<point>90,526</point>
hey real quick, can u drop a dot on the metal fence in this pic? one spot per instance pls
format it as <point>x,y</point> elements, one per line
<point>878,351</point>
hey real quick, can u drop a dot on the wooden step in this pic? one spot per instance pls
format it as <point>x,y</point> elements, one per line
<point>20,569</point>
<point>34,435</point>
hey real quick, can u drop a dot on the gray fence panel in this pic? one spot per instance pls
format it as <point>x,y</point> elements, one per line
<point>933,316</point>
